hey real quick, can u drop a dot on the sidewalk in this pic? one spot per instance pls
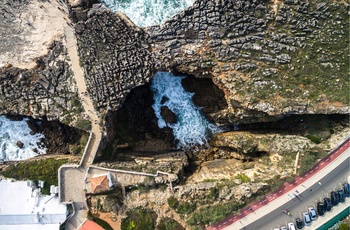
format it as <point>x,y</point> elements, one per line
<point>276,199</point>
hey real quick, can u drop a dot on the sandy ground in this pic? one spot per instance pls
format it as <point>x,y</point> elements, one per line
<point>106,216</point>
<point>35,27</point>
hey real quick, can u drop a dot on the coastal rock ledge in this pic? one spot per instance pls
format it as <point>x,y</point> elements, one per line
<point>269,60</point>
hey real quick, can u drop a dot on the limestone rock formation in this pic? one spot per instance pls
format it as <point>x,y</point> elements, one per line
<point>47,90</point>
<point>115,55</point>
<point>269,58</point>
<point>245,145</point>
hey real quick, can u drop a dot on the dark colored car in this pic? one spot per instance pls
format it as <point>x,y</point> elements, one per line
<point>327,204</point>
<point>320,208</point>
<point>299,223</point>
<point>341,196</point>
<point>346,188</point>
<point>334,198</point>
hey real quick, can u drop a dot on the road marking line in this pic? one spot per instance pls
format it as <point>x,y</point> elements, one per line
<point>225,222</point>
<point>322,163</point>
<point>316,167</point>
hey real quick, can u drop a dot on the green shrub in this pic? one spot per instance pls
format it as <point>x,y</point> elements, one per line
<point>76,149</point>
<point>314,139</point>
<point>212,214</point>
<point>169,224</point>
<point>139,219</point>
<point>83,124</point>
<point>244,178</point>
<point>173,202</point>
<point>185,207</point>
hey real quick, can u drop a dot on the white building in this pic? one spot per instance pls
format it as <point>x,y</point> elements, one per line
<point>22,207</point>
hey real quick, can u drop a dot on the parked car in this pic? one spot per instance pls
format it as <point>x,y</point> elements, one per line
<point>284,227</point>
<point>307,218</point>
<point>334,198</point>
<point>341,196</point>
<point>320,208</point>
<point>346,188</point>
<point>327,204</point>
<point>312,213</point>
<point>291,226</point>
<point>299,223</point>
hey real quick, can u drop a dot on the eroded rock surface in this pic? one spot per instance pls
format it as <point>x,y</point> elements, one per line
<point>269,60</point>
<point>47,90</point>
<point>115,55</point>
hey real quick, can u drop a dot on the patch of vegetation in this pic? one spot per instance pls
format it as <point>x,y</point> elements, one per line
<point>309,160</point>
<point>139,219</point>
<point>185,207</point>
<point>173,202</point>
<point>169,224</point>
<point>76,149</point>
<point>83,124</point>
<point>181,207</point>
<point>314,139</point>
<point>212,214</point>
<point>244,178</point>
<point>46,170</point>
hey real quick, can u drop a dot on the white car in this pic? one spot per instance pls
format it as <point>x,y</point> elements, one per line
<point>291,226</point>
<point>307,218</point>
<point>284,228</point>
<point>312,213</point>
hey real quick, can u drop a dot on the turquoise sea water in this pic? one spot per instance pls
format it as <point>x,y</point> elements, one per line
<point>13,131</point>
<point>192,128</point>
<point>148,12</point>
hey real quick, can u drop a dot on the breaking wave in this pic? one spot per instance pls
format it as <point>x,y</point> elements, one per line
<point>12,132</point>
<point>192,128</point>
<point>148,12</point>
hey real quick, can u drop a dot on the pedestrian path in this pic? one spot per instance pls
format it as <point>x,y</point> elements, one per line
<point>277,198</point>
<point>71,177</point>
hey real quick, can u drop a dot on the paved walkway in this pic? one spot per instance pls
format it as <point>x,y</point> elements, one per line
<point>85,99</point>
<point>71,177</point>
<point>277,198</point>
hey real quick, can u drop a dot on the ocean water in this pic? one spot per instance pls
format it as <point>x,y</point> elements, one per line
<point>13,131</point>
<point>148,12</point>
<point>192,128</point>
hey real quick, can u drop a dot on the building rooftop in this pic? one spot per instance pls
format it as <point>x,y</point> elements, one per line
<point>22,207</point>
<point>101,183</point>
<point>90,225</point>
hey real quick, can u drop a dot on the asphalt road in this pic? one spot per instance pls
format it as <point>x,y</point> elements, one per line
<point>307,198</point>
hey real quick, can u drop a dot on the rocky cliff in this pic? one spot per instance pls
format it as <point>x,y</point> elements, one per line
<point>270,58</point>
<point>35,73</point>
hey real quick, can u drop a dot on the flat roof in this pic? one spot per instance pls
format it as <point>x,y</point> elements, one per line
<point>21,206</point>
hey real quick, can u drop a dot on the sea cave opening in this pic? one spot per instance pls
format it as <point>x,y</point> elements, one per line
<point>169,113</point>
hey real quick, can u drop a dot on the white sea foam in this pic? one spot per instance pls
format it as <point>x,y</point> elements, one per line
<point>191,128</point>
<point>13,131</point>
<point>148,12</point>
